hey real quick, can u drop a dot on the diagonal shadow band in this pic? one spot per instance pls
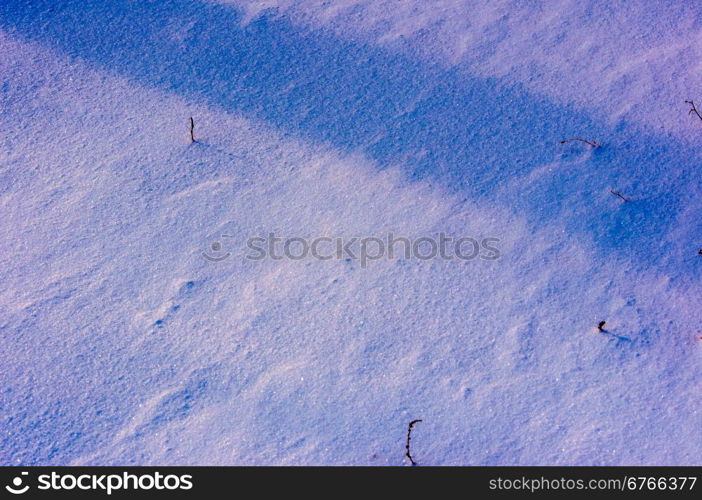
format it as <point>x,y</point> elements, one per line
<point>473,135</point>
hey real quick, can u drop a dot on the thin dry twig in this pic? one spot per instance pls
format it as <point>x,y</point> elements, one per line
<point>619,193</point>
<point>409,437</point>
<point>693,109</point>
<point>192,129</point>
<point>578,139</point>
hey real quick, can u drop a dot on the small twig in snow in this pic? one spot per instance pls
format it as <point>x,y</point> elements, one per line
<point>619,193</point>
<point>591,143</point>
<point>600,326</point>
<point>192,129</point>
<point>693,109</point>
<point>409,437</point>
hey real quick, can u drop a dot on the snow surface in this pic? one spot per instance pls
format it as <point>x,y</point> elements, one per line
<point>642,56</point>
<point>121,344</point>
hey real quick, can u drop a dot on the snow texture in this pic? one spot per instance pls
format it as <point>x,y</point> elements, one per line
<point>121,344</point>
